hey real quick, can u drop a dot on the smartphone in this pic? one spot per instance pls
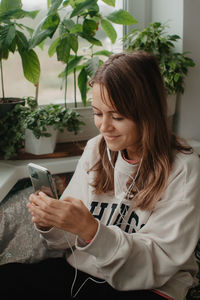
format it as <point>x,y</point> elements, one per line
<point>42,180</point>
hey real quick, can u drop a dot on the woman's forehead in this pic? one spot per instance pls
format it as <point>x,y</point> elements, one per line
<point>101,96</point>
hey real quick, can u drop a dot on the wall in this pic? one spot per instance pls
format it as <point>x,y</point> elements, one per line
<point>183,19</point>
<point>188,117</point>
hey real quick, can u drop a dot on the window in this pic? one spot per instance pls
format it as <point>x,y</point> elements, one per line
<point>50,86</point>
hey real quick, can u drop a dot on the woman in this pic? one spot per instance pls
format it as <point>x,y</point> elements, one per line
<point>131,210</point>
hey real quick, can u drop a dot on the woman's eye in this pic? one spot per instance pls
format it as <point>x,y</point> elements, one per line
<point>117,118</point>
<point>96,113</point>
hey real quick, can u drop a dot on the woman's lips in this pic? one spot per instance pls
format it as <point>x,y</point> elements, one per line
<point>111,137</point>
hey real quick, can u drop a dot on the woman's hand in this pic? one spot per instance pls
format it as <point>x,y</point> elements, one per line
<point>69,214</point>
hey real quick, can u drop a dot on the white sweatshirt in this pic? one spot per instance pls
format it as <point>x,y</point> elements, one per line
<point>135,249</point>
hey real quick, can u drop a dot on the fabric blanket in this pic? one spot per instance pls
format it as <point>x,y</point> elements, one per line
<point>19,241</point>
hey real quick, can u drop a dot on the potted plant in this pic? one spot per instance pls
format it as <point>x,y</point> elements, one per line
<point>75,20</point>
<point>173,65</point>
<point>36,128</point>
<point>12,39</point>
<point>42,123</point>
<point>11,137</point>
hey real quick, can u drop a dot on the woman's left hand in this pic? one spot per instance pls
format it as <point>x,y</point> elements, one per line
<point>69,214</point>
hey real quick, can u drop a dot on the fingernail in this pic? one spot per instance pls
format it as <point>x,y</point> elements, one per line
<point>41,194</point>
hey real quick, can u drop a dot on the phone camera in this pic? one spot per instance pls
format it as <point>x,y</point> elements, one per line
<point>34,175</point>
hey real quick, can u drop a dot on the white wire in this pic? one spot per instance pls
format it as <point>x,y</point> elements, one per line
<point>73,295</point>
<point>128,192</point>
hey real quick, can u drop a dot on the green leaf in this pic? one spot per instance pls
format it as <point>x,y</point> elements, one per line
<point>82,84</point>
<point>63,50</point>
<point>7,35</point>
<point>73,41</point>
<point>53,46</point>
<point>65,3</point>
<point>30,14</point>
<point>6,5</point>
<point>54,6</point>
<point>21,40</point>
<point>31,66</point>
<point>109,2</point>
<point>4,53</point>
<point>48,3</point>
<point>73,63</point>
<point>90,39</point>
<point>82,6</point>
<point>89,27</point>
<point>109,30</point>
<point>121,17</point>
<point>92,66</point>
<point>46,28</point>
<point>103,52</point>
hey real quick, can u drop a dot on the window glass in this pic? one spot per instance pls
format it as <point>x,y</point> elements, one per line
<point>50,86</point>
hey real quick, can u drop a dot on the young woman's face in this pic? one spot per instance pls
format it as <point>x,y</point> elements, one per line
<point>119,132</point>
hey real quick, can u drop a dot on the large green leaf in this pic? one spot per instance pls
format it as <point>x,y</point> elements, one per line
<point>121,17</point>
<point>89,27</point>
<point>21,40</point>
<point>46,28</point>
<point>90,39</point>
<point>92,65</point>
<point>73,41</point>
<point>109,30</point>
<point>6,5</point>
<point>7,35</point>
<point>82,84</point>
<point>82,6</point>
<point>63,50</point>
<point>54,6</point>
<point>53,46</point>
<point>31,66</point>
<point>110,2</point>
<point>4,53</point>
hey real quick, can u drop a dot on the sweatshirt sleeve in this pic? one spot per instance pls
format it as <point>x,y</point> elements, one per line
<point>78,188</point>
<point>149,258</point>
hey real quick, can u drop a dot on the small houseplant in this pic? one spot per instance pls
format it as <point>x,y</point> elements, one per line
<point>174,65</point>
<point>13,39</point>
<point>31,128</point>
<point>42,123</point>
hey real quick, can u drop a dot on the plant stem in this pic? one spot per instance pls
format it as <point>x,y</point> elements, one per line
<point>75,100</point>
<point>65,94</point>
<point>36,92</point>
<point>2,81</point>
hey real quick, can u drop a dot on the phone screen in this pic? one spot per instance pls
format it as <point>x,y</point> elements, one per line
<point>42,180</point>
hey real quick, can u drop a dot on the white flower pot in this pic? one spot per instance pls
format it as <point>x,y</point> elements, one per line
<point>171,109</point>
<point>43,145</point>
<point>171,103</point>
<point>88,131</point>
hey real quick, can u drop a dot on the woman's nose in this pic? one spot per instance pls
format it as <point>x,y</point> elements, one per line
<point>106,124</point>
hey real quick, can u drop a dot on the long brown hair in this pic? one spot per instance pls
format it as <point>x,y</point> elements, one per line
<point>136,90</point>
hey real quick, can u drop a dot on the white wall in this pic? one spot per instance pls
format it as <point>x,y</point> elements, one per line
<point>171,13</point>
<point>183,18</point>
<point>188,117</point>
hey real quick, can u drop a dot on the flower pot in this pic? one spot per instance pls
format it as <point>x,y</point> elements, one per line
<point>8,104</point>
<point>88,131</point>
<point>171,108</point>
<point>43,145</point>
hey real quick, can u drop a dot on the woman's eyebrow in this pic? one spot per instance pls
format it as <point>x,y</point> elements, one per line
<point>110,111</point>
